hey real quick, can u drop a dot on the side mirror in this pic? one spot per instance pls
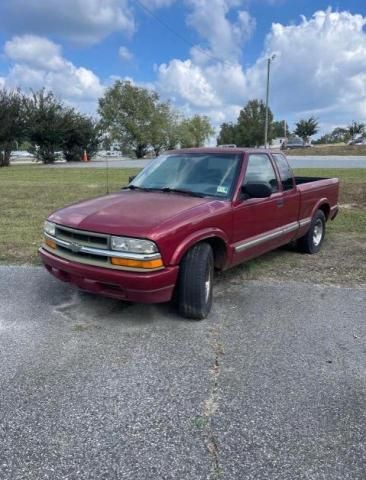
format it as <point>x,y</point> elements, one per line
<point>131,178</point>
<point>257,190</point>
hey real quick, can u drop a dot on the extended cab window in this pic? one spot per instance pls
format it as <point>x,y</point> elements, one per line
<point>285,171</point>
<point>260,170</point>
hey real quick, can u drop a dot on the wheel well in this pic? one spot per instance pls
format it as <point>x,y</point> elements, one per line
<point>325,208</point>
<point>219,251</point>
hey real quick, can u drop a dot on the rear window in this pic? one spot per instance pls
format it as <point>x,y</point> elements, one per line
<point>285,170</point>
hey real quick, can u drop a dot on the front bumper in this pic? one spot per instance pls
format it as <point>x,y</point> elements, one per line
<point>145,287</point>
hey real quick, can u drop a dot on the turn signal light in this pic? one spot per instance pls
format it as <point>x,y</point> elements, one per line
<point>146,264</point>
<point>50,243</point>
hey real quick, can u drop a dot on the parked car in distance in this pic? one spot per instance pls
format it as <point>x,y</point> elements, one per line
<point>357,141</point>
<point>188,213</point>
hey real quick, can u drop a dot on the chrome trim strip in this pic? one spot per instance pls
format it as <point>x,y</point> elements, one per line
<point>257,240</point>
<point>102,252</point>
<point>305,221</point>
<point>95,263</point>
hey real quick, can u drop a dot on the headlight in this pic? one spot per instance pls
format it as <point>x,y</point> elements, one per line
<point>133,245</point>
<point>50,228</point>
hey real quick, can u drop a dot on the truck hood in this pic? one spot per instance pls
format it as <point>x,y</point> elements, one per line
<point>130,213</point>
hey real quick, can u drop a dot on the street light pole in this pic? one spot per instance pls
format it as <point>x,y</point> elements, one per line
<point>269,60</point>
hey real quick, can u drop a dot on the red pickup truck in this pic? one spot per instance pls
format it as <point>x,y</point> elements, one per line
<point>188,213</point>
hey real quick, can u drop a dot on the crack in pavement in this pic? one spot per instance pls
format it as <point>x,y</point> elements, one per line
<point>211,403</point>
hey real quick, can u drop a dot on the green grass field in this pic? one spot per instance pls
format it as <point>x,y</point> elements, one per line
<point>338,149</point>
<point>29,193</point>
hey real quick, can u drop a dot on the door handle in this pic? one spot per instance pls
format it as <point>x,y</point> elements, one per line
<point>280,203</point>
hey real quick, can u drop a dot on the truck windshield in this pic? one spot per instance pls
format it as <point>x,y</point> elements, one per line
<point>199,174</point>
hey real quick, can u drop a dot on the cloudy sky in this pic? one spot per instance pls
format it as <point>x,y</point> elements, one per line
<point>206,56</point>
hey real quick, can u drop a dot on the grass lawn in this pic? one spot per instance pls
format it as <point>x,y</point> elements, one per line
<point>29,193</point>
<point>338,149</point>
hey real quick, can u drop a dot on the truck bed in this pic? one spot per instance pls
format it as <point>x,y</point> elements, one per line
<point>301,180</point>
<point>313,190</point>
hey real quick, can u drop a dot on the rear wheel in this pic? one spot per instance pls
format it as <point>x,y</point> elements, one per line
<point>195,282</point>
<point>312,241</point>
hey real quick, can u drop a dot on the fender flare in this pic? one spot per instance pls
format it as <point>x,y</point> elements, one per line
<point>197,237</point>
<point>319,204</point>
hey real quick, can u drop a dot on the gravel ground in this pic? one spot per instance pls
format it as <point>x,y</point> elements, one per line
<point>271,386</point>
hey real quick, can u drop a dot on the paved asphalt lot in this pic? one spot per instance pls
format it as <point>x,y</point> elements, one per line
<point>271,386</point>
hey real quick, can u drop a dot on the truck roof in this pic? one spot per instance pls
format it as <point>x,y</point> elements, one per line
<point>237,150</point>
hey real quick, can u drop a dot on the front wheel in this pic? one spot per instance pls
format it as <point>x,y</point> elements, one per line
<point>195,282</point>
<point>313,239</point>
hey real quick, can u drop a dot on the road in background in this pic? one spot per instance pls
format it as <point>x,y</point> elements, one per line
<point>295,161</point>
<point>271,386</point>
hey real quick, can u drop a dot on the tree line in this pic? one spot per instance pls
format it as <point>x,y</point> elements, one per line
<point>248,131</point>
<point>132,116</point>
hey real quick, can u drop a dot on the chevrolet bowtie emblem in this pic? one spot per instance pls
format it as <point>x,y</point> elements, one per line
<point>74,247</point>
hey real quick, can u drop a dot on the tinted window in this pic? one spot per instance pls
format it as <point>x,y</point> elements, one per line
<point>285,171</point>
<point>259,170</point>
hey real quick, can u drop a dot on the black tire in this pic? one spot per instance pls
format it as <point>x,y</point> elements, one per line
<point>195,282</point>
<point>312,241</point>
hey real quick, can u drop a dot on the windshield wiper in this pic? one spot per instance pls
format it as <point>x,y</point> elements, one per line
<point>135,187</point>
<point>181,190</point>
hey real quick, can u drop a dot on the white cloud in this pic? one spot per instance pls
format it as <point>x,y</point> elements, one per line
<point>210,19</point>
<point>154,4</point>
<point>37,62</point>
<point>187,81</point>
<point>85,21</point>
<point>2,82</point>
<point>320,65</point>
<point>125,54</point>
<point>320,70</point>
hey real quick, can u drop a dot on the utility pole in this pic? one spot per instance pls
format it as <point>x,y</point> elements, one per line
<point>269,60</point>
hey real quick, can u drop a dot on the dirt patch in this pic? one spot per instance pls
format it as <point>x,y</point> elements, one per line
<point>342,261</point>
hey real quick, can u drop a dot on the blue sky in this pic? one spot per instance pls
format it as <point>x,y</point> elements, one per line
<point>79,47</point>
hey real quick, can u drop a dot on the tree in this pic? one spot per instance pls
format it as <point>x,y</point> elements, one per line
<point>164,132</point>
<point>338,135</point>
<point>227,134</point>
<point>250,125</point>
<point>195,131</point>
<point>81,134</point>
<point>279,129</point>
<point>12,123</point>
<point>127,114</point>
<point>47,123</point>
<point>306,128</point>
<point>356,128</point>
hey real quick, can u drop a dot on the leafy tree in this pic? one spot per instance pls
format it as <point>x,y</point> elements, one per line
<point>163,127</point>
<point>250,125</point>
<point>227,134</point>
<point>279,129</point>
<point>47,123</point>
<point>306,128</point>
<point>81,133</point>
<point>127,114</point>
<point>12,123</point>
<point>338,135</point>
<point>195,131</point>
<point>356,128</point>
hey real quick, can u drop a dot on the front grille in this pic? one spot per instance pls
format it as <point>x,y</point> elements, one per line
<point>85,256</point>
<point>89,239</point>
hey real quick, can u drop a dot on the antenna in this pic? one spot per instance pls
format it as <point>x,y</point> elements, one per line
<point>107,174</point>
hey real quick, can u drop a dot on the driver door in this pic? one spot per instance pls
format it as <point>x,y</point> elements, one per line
<point>255,220</point>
